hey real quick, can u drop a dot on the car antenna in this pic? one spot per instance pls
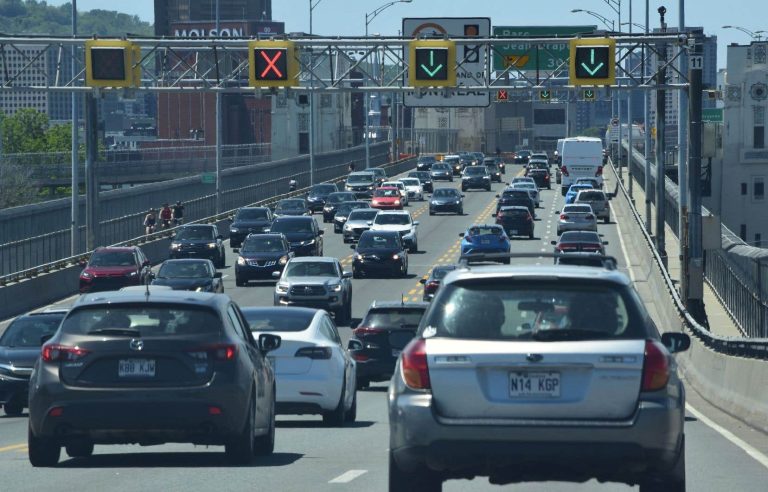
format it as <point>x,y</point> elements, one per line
<point>146,291</point>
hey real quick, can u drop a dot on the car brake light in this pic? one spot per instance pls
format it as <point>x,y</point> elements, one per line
<point>589,216</point>
<point>360,357</point>
<point>564,171</point>
<point>219,351</point>
<point>655,366</point>
<point>413,365</point>
<point>314,352</point>
<point>61,353</point>
<point>56,412</point>
<point>599,171</point>
<point>563,217</point>
<point>528,218</point>
<point>365,331</point>
<point>431,286</point>
<point>214,410</point>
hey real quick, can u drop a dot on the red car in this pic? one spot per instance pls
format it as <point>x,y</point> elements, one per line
<point>114,268</point>
<point>387,198</point>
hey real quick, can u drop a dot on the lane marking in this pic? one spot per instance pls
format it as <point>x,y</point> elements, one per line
<point>348,476</point>
<point>13,447</point>
<point>624,252</point>
<point>730,436</point>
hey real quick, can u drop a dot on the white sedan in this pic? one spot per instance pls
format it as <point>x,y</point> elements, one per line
<point>400,187</point>
<point>314,373</point>
<point>413,188</point>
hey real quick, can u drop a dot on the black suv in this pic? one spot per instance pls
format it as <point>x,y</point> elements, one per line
<point>318,194</point>
<point>379,252</point>
<point>261,256</point>
<point>189,274</point>
<point>476,177</point>
<point>510,197</point>
<point>333,200</point>
<point>380,337</point>
<point>249,220</point>
<point>292,207</point>
<point>130,367</point>
<point>424,178</point>
<point>199,241</point>
<point>304,235</point>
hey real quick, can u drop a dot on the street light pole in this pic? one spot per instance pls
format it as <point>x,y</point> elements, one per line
<point>629,121</point>
<point>75,195</point>
<point>219,125</point>
<point>682,143</point>
<point>647,120</point>
<point>312,5</point>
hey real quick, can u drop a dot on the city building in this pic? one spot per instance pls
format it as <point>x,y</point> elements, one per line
<point>31,65</point>
<point>168,13</point>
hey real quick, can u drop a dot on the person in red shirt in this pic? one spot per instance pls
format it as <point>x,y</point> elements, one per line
<point>166,215</point>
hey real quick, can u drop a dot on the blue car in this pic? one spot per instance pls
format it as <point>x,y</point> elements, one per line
<point>485,239</point>
<point>574,190</point>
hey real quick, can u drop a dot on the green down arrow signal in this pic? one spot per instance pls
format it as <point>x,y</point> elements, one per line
<point>434,70</point>
<point>592,71</point>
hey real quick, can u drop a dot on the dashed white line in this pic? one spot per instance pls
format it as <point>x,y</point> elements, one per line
<point>347,477</point>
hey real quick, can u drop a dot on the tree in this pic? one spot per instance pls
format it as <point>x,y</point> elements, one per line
<point>15,189</point>
<point>24,131</point>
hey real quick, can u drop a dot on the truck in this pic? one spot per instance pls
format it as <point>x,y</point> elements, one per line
<point>581,157</point>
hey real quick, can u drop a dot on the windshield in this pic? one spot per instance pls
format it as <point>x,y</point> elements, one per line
<point>393,219</point>
<point>252,214</point>
<point>346,207</point>
<point>579,237</point>
<point>360,178</point>
<point>514,212</point>
<point>278,319</point>
<point>195,233</point>
<point>480,231</point>
<point>290,205</point>
<point>183,269</point>
<point>522,180</point>
<point>533,310</point>
<point>515,194</point>
<point>373,240</point>
<point>390,192</point>
<point>440,167</point>
<point>263,244</point>
<point>292,226</point>
<point>29,330</point>
<point>592,196</point>
<point>323,189</point>
<point>362,215</point>
<point>445,193</point>
<point>112,259</point>
<point>340,197</point>
<point>475,171</point>
<point>574,209</point>
<point>525,185</point>
<point>393,318</point>
<point>439,273</point>
<point>410,182</point>
<point>311,269</point>
<point>142,320</point>
<point>426,159</point>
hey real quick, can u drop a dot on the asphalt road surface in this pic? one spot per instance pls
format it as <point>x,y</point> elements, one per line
<point>310,457</point>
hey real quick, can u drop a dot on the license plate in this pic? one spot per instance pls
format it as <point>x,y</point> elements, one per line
<point>485,241</point>
<point>534,385</point>
<point>142,368</point>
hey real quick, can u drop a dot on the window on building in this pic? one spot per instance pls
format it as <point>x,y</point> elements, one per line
<point>743,188</point>
<point>743,232</point>
<point>758,241</point>
<point>759,128</point>
<point>758,188</point>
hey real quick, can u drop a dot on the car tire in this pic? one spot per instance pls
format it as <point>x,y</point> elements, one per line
<point>43,452</point>
<point>363,384</point>
<point>461,211</point>
<point>240,283</point>
<point>607,220</point>
<point>265,445</point>
<point>337,416</point>
<point>674,481</point>
<point>412,481</point>
<point>81,449</point>
<point>14,408</point>
<point>351,415</point>
<point>506,261</point>
<point>336,230</point>
<point>239,449</point>
<point>357,274</point>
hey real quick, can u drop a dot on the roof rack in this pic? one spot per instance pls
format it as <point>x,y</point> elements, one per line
<point>575,259</point>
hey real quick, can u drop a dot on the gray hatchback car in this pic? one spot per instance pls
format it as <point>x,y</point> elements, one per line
<point>149,368</point>
<point>536,374</point>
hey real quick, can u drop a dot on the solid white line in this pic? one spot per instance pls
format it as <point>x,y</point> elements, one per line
<point>751,451</point>
<point>624,252</point>
<point>348,476</point>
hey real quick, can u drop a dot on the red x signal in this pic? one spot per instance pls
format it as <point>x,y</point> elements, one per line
<point>271,64</point>
<point>502,95</point>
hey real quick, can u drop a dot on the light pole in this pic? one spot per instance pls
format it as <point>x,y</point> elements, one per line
<point>757,35</point>
<point>312,5</point>
<point>368,18</point>
<point>608,23</point>
<point>75,195</point>
<point>219,124</point>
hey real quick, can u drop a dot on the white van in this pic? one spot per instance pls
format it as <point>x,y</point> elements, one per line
<point>558,151</point>
<point>581,157</point>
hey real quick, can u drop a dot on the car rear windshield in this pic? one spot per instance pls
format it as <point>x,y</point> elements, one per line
<point>252,214</point>
<point>112,259</point>
<point>183,269</point>
<point>374,240</point>
<point>391,192</point>
<point>340,197</point>
<point>475,171</point>
<point>579,236</point>
<point>292,226</point>
<point>322,189</point>
<point>193,233</point>
<point>515,212</point>
<point>363,214</point>
<point>142,320</point>
<point>311,269</point>
<point>360,178</point>
<point>481,231</point>
<point>392,219</point>
<point>278,319</point>
<point>393,317</point>
<point>539,310</point>
<point>592,196</point>
<point>346,207</point>
<point>515,194</point>
<point>445,193</point>
<point>29,330</point>
<point>290,204</point>
<point>263,244</point>
<point>577,209</point>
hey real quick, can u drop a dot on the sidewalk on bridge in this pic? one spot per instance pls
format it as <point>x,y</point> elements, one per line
<point>720,322</point>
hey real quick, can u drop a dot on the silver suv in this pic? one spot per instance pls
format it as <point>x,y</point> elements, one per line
<point>317,282</point>
<point>537,373</point>
<point>599,202</point>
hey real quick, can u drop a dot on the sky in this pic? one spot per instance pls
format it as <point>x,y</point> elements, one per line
<point>347,18</point>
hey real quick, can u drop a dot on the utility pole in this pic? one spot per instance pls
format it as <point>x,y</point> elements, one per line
<point>682,149</point>
<point>219,124</point>
<point>75,195</point>
<point>647,120</point>
<point>91,180</point>
<point>661,116</point>
<point>695,295</point>
<point>311,102</point>
<point>629,118</point>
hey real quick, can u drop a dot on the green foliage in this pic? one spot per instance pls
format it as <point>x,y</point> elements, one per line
<point>37,17</point>
<point>29,131</point>
<point>594,131</point>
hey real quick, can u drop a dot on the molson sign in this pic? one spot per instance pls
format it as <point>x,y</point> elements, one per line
<point>229,29</point>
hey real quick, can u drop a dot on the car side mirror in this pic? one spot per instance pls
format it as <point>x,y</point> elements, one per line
<point>276,274</point>
<point>146,263</point>
<point>354,345</point>
<point>415,222</point>
<point>605,243</point>
<point>45,338</point>
<point>346,275</point>
<point>461,234</point>
<point>422,281</point>
<point>553,243</point>
<point>676,342</point>
<point>321,232</point>
<point>268,342</point>
<point>370,223</point>
<point>218,275</point>
<point>497,196</point>
<point>352,247</point>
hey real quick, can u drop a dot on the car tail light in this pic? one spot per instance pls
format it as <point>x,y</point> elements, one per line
<point>563,217</point>
<point>414,365</point>
<point>314,352</point>
<point>655,367</point>
<point>214,410</point>
<point>599,171</point>
<point>221,351</point>
<point>567,247</point>
<point>365,331</point>
<point>56,412</point>
<point>431,287</point>
<point>528,218</point>
<point>589,216</point>
<point>360,357</point>
<point>564,171</point>
<point>61,353</point>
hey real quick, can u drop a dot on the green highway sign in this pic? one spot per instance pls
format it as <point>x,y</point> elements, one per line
<point>524,56</point>
<point>208,178</point>
<point>712,115</point>
<point>431,64</point>
<point>589,94</point>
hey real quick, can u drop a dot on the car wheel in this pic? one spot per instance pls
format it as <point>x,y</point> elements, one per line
<point>357,273</point>
<point>81,449</point>
<point>412,481</point>
<point>239,449</point>
<point>265,445</point>
<point>341,314</point>
<point>42,451</point>
<point>363,384</point>
<point>14,408</point>
<point>240,283</point>
<point>461,211</point>
<point>674,481</point>
<point>607,220</point>
<point>337,416</point>
<point>351,415</point>
<point>431,212</point>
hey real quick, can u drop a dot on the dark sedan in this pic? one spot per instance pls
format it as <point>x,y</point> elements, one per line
<point>522,156</point>
<point>199,241</point>
<point>333,201</point>
<point>424,178</point>
<point>19,349</point>
<point>382,334</point>
<point>379,252</point>
<point>318,194</point>
<point>512,197</point>
<point>432,282</point>
<point>248,220</point>
<point>292,207</point>
<point>476,177</point>
<point>516,221</point>
<point>441,171</point>
<point>446,200</point>
<point>190,274</point>
<point>493,170</point>
<point>127,367</point>
<point>343,210</point>
<point>261,256</point>
<point>541,177</point>
<point>424,163</point>
<point>304,235</point>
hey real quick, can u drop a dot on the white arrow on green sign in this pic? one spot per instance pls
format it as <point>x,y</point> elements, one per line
<point>592,71</point>
<point>434,70</point>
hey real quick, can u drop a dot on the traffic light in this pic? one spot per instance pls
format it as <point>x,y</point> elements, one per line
<point>272,64</point>
<point>545,95</point>
<point>593,61</point>
<point>589,95</point>
<point>432,63</point>
<point>110,63</point>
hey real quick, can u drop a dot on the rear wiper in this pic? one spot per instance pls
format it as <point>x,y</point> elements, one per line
<point>126,332</point>
<point>568,334</point>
